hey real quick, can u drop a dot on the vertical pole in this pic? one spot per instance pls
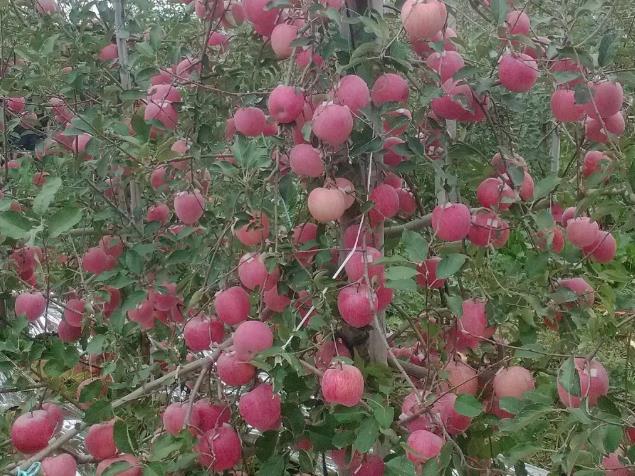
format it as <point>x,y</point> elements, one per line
<point>554,151</point>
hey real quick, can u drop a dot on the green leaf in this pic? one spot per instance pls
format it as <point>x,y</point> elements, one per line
<point>116,468</point>
<point>400,466</point>
<point>402,285</point>
<point>612,437</point>
<point>367,434</point>
<point>582,94</point>
<point>607,49</point>
<point>63,220</point>
<point>96,344</point>
<point>383,413</point>
<point>274,466</point>
<point>43,199</point>
<point>545,186</point>
<point>450,264</point>
<point>510,404</point>
<point>395,273</point>
<point>499,11</point>
<point>123,440</point>
<point>99,411</point>
<point>468,405</point>
<point>164,446</point>
<point>568,377</point>
<point>415,245</point>
<point>13,225</point>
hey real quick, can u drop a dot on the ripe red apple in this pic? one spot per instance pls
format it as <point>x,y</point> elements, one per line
<point>326,204</point>
<point>68,333</point>
<point>250,338</point>
<point>423,20</point>
<point>306,161</point>
<point>423,445</point>
<point>167,92</point>
<point>261,408</point>
<point>603,249</point>
<point>255,232</point>
<point>207,11</point>
<point>371,465</point>
<point>352,91</point>
<point>328,351</point>
<point>584,291</point>
<point>615,124</point>
<point>157,178</point>
<point>343,384</point>
<point>252,272</point>
<point>210,415</point>
<point>189,206</point>
<point>552,239</point>
<point>31,431</point>
<point>391,157</point>
<point>427,274</point>
<point>347,188</point>
<point>582,232</point>
<point>276,302</point>
<point>16,104</point>
<point>332,123</point>
<point>174,418</point>
<point>494,193</point>
<point>451,222</point>
<point>362,259</point>
<point>74,312</point>
<point>31,305</point>
<point>488,228</point>
<point>108,53</point>
<point>518,72</point>
<point>163,112</point>
<point>250,121</point>
<point>234,372</point>
<point>134,466</point>
<point>143,314</point>
<point>459,103</point>
<point>564,107</point>
<point>461,378</point>
<point>281,37</point>
<point>407,203</point>
<point>453,422</point>
<point>350,239</point>
<point>100,440</point>
<point>472,325</point>
<point>285,103</point>
<point>60,465</point>
<point>55,414</point>
<point>390,87</point>
<point>232,305</point>
<point>594,383</point>
<point>445,64</point>
<point>357,304</point>
<point>512,382</point>
<point>595,161</point>
<point>517,23</point>
<point>386,203</point>
<point>607,99</point>
<point>158,212</point>
<point>201,331</point>
<point>614,467</point>
<point>218,449</point>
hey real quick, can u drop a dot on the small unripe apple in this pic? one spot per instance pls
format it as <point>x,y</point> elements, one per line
<point>250,338</point>
<point>100,440</point>
<point>31,305</point>
<point>343,384</point>
<point>261,408</point>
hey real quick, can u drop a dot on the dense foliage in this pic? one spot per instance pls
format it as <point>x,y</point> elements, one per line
<point>287,237</point>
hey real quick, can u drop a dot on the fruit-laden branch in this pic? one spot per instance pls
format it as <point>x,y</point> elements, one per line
<point>417,224</point>
<point>139,392</point>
